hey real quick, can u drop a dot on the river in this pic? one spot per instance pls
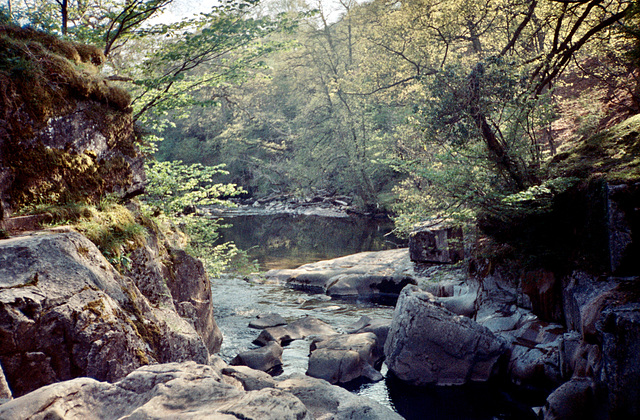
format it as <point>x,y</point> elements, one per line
<point>287,241</point>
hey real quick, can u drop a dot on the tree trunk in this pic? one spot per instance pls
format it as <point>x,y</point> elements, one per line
<point>497,150</point>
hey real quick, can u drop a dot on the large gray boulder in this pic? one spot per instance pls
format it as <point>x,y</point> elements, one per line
<point>427,344</point>
<point>191,391</point>
<point>169,391</point>
<point>342,358</point>
<point>66,312</point>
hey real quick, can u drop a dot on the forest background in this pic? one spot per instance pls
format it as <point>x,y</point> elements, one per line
<point>426,109</point>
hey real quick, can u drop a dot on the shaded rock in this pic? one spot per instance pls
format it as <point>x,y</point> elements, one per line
<point>191,292</point>
<point>267,320</point>
<point>171,391</point>
<point>375,276</point>
<point>267,358</point>
<point>427,344</point>
<point>5,391</point>
<point>436,243</point>
<point>65,312</point>
<point>344,357</point>
<point>544,291</point>
<point>579,289</point>
<point>620,332</point>
<point>280,335</point>
<point>326,401</point>
<point>572,400</point>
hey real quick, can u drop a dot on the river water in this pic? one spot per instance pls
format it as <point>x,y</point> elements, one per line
<point>286,241</point>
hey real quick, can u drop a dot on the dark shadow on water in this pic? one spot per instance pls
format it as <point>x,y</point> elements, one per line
<point>474,401</point>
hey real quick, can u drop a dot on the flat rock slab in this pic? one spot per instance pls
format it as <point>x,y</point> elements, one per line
<point>267,320</point>
<point>374,276</point>
<point>297,330</point>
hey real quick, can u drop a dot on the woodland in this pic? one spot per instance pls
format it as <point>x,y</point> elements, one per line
<point>466,110</point>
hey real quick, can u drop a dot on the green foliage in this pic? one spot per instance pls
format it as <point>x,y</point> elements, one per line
<point>112,227</point>
<point>172,186</point>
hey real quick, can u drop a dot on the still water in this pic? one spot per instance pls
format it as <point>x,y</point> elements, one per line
<point>288,241</point>
<point>285,241</point>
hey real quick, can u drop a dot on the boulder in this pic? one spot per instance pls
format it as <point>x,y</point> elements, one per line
<point>342,358</point>
<point>191,292</point>
<point>267,358</point>
<point>379,327</point>
<point>619,328</point>
<point>326,401</point>
<point>249,379</point>
<point>427,344</point>
<point>169,391</point>
<point>267,320</point>
<point>575,399</point>
<point>436,242</point>
<point>5,391</point>
<point>66,312</point>
<point>373,276</point>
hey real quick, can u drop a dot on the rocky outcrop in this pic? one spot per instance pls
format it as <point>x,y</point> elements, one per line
<point>427,344</point>
<point>374,276</point>
<point>79,131</point>
<point>189,390</point>
<point>66,312</point>
<point>185,390</point>
<point>344,357</point>
<point>436,242</point>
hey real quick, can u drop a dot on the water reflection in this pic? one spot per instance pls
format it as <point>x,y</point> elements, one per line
<point>288,241</point>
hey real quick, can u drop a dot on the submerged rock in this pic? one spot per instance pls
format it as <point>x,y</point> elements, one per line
<point>428,344</point>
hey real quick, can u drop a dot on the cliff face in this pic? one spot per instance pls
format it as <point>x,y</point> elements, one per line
<point>65,133</point>
<point>67,138</point>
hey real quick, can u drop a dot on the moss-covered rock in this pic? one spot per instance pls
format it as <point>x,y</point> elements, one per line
<point>66,134</point>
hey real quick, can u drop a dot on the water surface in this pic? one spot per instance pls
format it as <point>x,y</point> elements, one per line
<point>287,241</point>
